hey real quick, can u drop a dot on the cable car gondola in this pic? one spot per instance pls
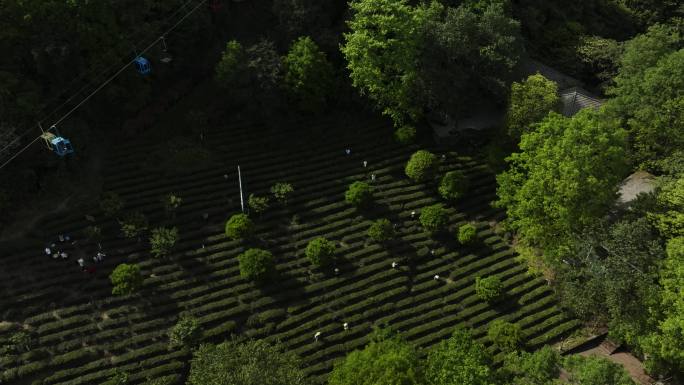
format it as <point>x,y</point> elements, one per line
<point>56,143</point>
<point>142,65</point>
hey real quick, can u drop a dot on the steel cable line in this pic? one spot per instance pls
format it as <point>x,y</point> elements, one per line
<point>109,80</point>
<point>90,82</point>
<point>111,67</point>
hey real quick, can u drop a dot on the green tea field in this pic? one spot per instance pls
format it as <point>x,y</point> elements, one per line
<point>82,334</point>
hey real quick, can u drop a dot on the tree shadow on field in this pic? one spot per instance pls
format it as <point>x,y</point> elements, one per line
<point>195,265</point>
<point>406,254</point>
<point>157,304</point>
<point>282,287</point>
<point>377,211</point>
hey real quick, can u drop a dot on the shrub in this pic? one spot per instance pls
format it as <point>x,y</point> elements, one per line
<point>134,225</point>
<point>231,64</point>
<point>434,218</point>
<point>239,226</point>
<point>381,230</point>
<point>320,251</point>
<point>118,378</point>
<point>171,203</point>
<point>111,204</point>
<point>163,240</point>
<point>126,279</point>
<point>405,135</point>
<point>488,289</point>
<point>467,234</point>
<point>308,74</point>
<point>19,342</point>
<point>505,335</point>
<point>93,233</point>
<point>282,191</point>
<point>453,185</point>
<point>256,264</point>
<point>359,194</point>
<point>258,204</point>
<point>421,166</point>
<point>186,332</point>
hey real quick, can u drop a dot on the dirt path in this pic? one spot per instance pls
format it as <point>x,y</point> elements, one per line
<point>634,367</point>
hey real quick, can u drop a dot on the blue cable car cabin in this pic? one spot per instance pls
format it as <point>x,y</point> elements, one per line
<point>62,146</point>
<point>142,65</point>
<point>57,144</point>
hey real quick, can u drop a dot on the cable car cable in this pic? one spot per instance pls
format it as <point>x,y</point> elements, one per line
<point>89,82</point>
<point>111,67</point>
<point>107,81</point>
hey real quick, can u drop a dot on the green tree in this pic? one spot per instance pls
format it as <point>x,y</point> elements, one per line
<point>434,218</point>
<point>381,230</point>
<point>666,344</point>
<point>381,51</point>
<point>564,177</point>
<point>647,94</point>
<point>489,289</point>
<point>186,332</point>
<point>669,214</point>
<point>171,204</point>
<point>264,65</point>
<point>282,191</point>
<point>595,370</point>
<point>256,264</point>
<point>245,363</point>
<point>239,226</point>
<point>359,194</point>
<point>600,57</point>
<point>453,185</point>
<point>530,102</point>
<point>308,74</point>
<point>134,225</point>
<point>421,166</point>
<point>459,360</point>
<point>386,360</point>
<point>467,234</point>
<point>468,55</point>
<point>231,65</point>
<point>111,204</point>
<point>505,335</point>
<point>126,279</point>
<point>163,240</point>
<point>320,251</point>
<point>541,367</point>
<point>405,134</point>
<point>258,204</point>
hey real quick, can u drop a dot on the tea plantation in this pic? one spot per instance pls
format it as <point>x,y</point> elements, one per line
<point>81,334</point>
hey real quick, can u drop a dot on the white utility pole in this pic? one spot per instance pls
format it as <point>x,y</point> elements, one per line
<point>242,200</point>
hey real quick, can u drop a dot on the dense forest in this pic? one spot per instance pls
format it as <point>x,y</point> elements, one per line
<point>611,263</point>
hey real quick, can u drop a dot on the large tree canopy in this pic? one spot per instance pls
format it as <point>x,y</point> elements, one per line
<point>406,58</point>
<point>649,94</point>
<point>667,343</point>
<point>530,102</point>
<point>468,56</point>
<point>246,363</point>
<point>308,74</point>
<point>565,175</point>
<point>386,360</point>
<point>458,360</point>
<point>381,51</point>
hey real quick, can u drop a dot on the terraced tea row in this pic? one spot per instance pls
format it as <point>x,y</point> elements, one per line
<point>86,334</point>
